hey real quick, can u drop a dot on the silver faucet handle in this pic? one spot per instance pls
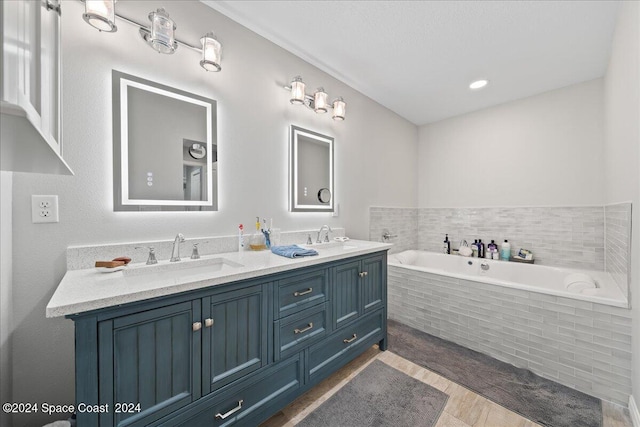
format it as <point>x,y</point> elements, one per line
<point>326,236</point>
<point>309,241</point>
<point>194,252</point>
<point>151,259</point>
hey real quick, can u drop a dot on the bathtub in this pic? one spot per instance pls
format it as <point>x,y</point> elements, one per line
<point>571,326</point>
<point>586,285</point>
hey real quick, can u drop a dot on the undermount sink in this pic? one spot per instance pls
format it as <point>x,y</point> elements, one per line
<point>187,266</point>
<point>330,245</point>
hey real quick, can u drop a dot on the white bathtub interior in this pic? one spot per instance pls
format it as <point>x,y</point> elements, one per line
<point>586,285</point>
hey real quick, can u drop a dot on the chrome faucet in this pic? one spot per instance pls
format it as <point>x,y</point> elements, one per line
<point>326,237</point>
<point>175,252</point>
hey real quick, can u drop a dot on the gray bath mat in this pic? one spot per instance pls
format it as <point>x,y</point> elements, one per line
<point>519,390</point>
<point>380,396</point>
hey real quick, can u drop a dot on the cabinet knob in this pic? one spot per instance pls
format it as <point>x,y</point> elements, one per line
<point>196,326</point>
<point>362,274</point>
<point>208,322</point>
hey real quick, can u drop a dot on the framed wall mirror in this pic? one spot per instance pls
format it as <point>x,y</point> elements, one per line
<point>311,187</point>
<point>165,147</point>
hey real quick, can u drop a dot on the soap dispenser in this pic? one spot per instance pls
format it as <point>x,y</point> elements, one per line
<point>257,242</point>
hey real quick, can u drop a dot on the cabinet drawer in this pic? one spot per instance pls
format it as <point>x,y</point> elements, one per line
<point>246,400</point>
<point>328,354</point>
<point>300,292</point>
<point>300,330</point>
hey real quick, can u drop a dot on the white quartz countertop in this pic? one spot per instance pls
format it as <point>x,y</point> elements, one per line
<point>90,289</point>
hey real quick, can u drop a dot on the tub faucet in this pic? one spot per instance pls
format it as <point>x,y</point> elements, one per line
<point>326,237</point>
<point>175,252</point>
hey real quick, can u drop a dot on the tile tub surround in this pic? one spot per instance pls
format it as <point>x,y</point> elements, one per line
<point>81,257</point>
<point>617,227</point>
<point>402,222</point>
<point>558,236</point>
<point>579,344</point>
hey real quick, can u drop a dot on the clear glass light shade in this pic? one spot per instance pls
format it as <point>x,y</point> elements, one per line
<point>163,30</point>
<point>211,52</point>
<point>297,91</point>
<point>101,14</point>
<point>320,101</point>
<point>339,109</point>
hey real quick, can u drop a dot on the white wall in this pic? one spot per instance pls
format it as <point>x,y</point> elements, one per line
<point>6,325</point>
<point>545,150</point>
<point>253,118</point>
<point>622,146</point>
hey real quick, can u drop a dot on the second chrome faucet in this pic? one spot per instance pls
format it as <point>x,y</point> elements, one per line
<point>175,252</point>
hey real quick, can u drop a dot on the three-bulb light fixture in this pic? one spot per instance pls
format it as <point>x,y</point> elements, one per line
<point>318,102</point>
<point>160,34</point>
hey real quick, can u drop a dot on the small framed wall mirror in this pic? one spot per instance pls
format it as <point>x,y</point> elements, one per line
<point>311,187</point>
<point>165,148</point>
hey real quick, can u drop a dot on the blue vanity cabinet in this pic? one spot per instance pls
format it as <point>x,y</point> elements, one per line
<point>346,295</point>
<point>229,354</point>
<point>373,286</point>
<point>235,334</point>
<point>358,288</point>
<point>148,364</point>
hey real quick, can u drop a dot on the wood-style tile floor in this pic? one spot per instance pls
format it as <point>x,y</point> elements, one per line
<point>463,409</point>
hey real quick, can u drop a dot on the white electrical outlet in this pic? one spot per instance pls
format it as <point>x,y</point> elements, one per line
<point>44,209</point>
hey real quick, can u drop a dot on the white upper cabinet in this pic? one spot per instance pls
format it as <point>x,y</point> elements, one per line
<point>30,107</point>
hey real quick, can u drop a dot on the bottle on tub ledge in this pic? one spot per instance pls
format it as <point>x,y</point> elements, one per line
<point>492,250</point>
<point>481,249</point>
<point>446,245</point>
<point>474,249</point>
<point>505,251</point>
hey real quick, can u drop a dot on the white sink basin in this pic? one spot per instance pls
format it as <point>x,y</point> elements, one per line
<point>184,267</point>
<point>331,245</point>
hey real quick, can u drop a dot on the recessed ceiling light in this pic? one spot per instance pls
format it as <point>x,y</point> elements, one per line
<point>478,84</point>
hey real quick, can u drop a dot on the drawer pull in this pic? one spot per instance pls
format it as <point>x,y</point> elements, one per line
<point>352,339</point>
<point>220,416</point>
<point>196,326</point>
<point>208,322</point>
<point>363,274</point>
<point>299,294</point>
<point>299,331</point>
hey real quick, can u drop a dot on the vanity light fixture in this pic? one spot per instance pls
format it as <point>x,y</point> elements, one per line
<point>160,35</point>
<point>101,14</point>
<point>478,84</point>
<point>297,91</point>
<point>318,102</point>
<point>163,32</point>
<point>211,49</point>
<point>339,109</point>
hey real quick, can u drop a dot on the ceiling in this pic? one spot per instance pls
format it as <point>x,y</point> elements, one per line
<point>417,58</point>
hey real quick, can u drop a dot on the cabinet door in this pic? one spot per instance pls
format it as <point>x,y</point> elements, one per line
<point>373,289</point>
<point>345,293</point>
<point>151,358</point>
<point>50,81</point>
<point>235,335</point>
